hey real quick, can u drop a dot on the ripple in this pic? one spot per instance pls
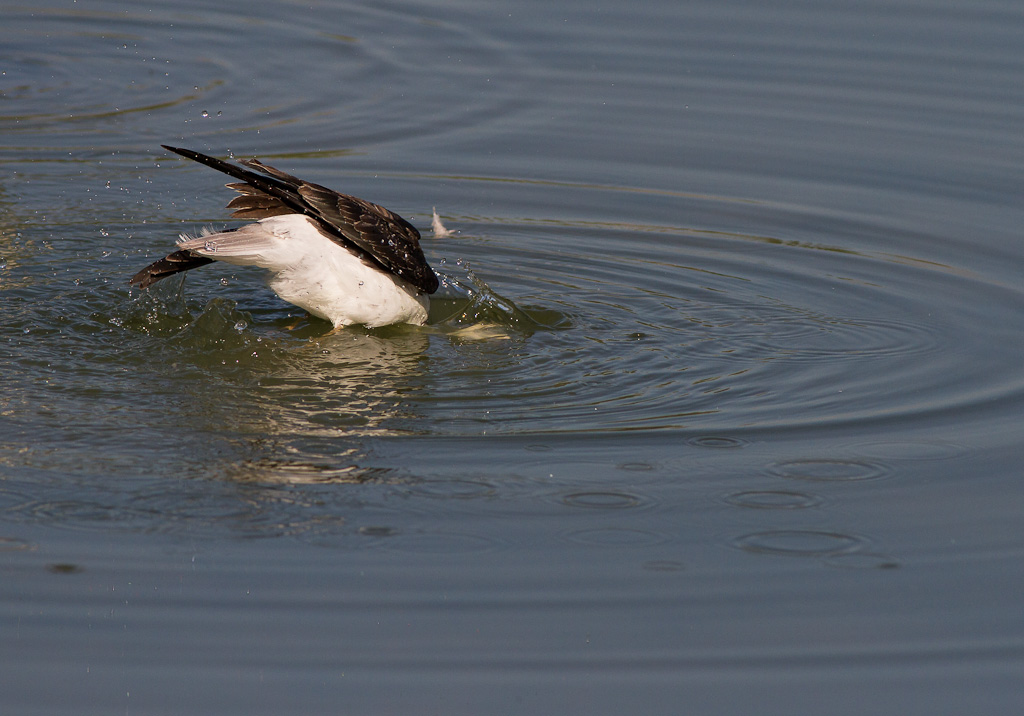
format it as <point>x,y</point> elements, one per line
<point>635,466</point>
<point>799,543</point>
<point>137,67</point>
<point>808,337</point>
<point>829,470</point>
<point>909,449</point>
<point>622,344</point>
<point>78,514</point>
<point>773,500</point>
<point>863,560</point>
<point>717,442</point>
<point>10,496</point>
<point>453,489</point>
<point>696,335</point>
<point>15,544</point>
<point>602,500</point>
<point>107,47</point>
<point>615,537</point>
<point>217,511</point>
<point>443,542</point>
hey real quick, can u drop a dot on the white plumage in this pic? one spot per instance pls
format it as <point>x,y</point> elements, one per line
<point>314,273</point>
<point>339,257</point>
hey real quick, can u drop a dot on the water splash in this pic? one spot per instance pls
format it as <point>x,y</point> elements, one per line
<point>469,309</point>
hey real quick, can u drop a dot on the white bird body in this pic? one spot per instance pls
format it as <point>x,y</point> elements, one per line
<point>339,257</point>
<point>314,273</point>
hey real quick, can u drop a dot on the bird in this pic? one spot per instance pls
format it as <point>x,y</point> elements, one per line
<point>338,257</point>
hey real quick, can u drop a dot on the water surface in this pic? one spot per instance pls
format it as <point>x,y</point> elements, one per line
<point>717,412</point>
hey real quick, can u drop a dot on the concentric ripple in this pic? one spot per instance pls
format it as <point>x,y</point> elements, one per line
<point>674,329</point>
<point>138,71</point>
<point>650,328</point>
<point>800,543</point>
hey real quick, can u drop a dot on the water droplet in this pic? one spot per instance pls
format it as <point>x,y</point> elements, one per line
<point>205,113</point>
<point>240,326</point>
<point>210,246</point>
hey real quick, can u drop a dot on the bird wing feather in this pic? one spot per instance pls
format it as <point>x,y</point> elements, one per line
<point>379,236</point>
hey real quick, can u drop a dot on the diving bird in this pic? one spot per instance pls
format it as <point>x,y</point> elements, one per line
<point>336,256</point>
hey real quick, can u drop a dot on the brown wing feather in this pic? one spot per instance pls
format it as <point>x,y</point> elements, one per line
<point>380,232</point>
<point>381,237</point>
<point>375,230</point>
<point>175,263</point>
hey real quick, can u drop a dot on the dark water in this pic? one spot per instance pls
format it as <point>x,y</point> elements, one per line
<point>720,410</point>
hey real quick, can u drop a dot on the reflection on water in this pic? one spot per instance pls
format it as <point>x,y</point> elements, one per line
<point>345,384</point>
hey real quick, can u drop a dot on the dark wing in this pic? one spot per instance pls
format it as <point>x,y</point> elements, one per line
<point>379,236</point>
<point>175,263</point>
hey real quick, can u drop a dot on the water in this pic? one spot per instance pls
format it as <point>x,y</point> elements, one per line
<point>718,411</point>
